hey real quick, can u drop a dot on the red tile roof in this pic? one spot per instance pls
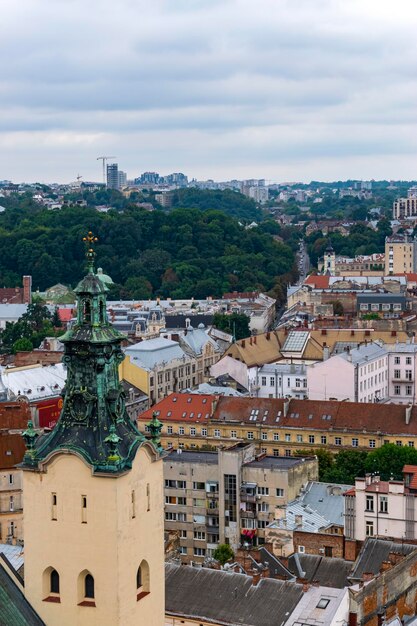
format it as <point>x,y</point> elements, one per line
<point>65,315</point>
<point>411,469</point>
<point>318,282</point>
<point>187,407</point>
<point>339,417</point>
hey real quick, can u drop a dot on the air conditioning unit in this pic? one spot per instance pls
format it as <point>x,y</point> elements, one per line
<point>321,550</point>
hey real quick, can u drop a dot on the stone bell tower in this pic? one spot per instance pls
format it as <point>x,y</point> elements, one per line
<point>93,489</point>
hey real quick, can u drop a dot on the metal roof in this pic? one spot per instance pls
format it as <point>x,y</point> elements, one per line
<point>153,352</point>
<point>36,381</point>
<point>228,598</point>
<point>374,552</point>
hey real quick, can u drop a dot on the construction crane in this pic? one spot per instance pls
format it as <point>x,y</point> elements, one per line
<point>104,159</point>
<point>78,179</point>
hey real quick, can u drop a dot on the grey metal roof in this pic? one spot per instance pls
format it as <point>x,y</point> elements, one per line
<point>364,353</point>
<point>228,598</point>
<point>196,339</point>
<point>327,571</point>
<point>374,552</point>
<point>14,555</point>
<point>12,311</point>
<point>326,499</point>
<point>191,456</point>
<point>217,390</point>
<point>276,568</point>
<point>35,381</point>
<point>153,352</point>
<point>283,368</point>
<point>277,462</point>
<point>380,297</point>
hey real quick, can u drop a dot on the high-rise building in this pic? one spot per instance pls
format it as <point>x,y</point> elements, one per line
<point>94,549</point>
<point>400,254</point>
<point>113,176</point>
<point>122,179</point>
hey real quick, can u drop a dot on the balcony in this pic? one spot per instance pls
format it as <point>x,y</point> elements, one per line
<point>248,514</point>
<point>211,511</point>
<point>246,497</point>
<point>402,379</point>
<point>212,495</point>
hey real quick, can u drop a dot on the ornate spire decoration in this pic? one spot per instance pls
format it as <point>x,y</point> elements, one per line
<point>93,423</point>
<point>155,427</point>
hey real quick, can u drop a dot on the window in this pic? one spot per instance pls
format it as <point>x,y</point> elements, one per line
<point>409,374</point>
<point>198,485</point>
<point>397,360</point>
<point>311,439</point>
<point>337,441</point>
<point>369,503</point>
<point>233,434</point>
<point>280,493</point>
<point>408,360</point>
<point>199,552</point>
<point>262,507</point>
<point>83,509</point>
<point>299,438</point>
<point>372,443</point>
<point>54,581</point>
<point>53,506</point>
<point>216,432</point>
<point>263,381</point>
<point>397,373</point>
<point>249,434</point>
<point>287,452</point>
<point>287,437</point>
<point>264,436</point>
<point>169,430</point>
<point>262,491</point>
<point>142,580</point>
<point>271,381</point>
<point>369,529</point>
<point>276,436</point>
<point>204,432</point>
<point>383,504</point>
<point>275,452</point>
<point>355,442</point>
<point>199,535</point>
<point>397,390</point>
<point>11,479</point>
<point>192,432</point>
<point>182,550</point>
<point>301,549</point>
<point>183,534</point>
<point>323,603</point>
<point>408,390</point>
<point>399,443</point>
<point>323,439</point>
<point>411,444</point>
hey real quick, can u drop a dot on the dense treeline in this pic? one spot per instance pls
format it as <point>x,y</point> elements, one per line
<point>182,253</point>
<point>227,201</point>
<point>361,240</point>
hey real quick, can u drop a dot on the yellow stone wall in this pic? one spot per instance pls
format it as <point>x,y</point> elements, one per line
<point>116,537</point>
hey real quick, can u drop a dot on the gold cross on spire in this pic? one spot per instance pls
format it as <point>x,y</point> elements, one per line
<point>89,240</point>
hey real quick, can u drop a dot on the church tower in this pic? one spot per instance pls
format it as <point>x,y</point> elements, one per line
<point>93,490</point>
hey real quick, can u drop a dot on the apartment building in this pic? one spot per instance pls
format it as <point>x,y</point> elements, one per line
<point>278,380</point>
<point>228,496</point>
<point>280,427</point>
<point>400,254</point>
<point>404,208</point>
<point>13,420</point>
<point>385,509</point>
<point>358,375</point>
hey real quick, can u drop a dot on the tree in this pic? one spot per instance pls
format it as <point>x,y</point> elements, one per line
<point>56,320</point>
<point>388,461</point>
<point>324,457</point>
<point>223,553</point>
<point>236,324</point>
<point>348,464</point>
<point>22,345</point>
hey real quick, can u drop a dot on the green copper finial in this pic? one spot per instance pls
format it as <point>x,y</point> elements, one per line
<point>30,436</point>
<point>112,440</point>
<point>90,254</point>
<point>155,427</point>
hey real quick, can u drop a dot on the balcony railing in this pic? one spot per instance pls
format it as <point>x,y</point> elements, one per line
<point>246,497</point>
<point>248,514</point>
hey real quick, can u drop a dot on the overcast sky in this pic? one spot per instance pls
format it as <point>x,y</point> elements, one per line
<point>278,89</point>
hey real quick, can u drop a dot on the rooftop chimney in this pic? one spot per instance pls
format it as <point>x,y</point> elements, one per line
<point>408,410</point>
<point>286,406</point>
<point>268,336</point>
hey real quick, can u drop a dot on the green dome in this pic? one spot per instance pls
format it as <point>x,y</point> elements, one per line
<point>105,278</point>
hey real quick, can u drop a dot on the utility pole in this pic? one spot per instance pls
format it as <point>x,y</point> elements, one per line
<point>104,159</point>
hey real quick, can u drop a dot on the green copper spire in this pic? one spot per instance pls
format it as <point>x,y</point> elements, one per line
<point>93,423</point>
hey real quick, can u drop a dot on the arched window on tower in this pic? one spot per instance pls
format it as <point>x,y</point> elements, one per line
<point>86,589</point>
<point>50,585</point>
<point>142,581</point>
<point>87,311</point>
<point>102,311</point>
